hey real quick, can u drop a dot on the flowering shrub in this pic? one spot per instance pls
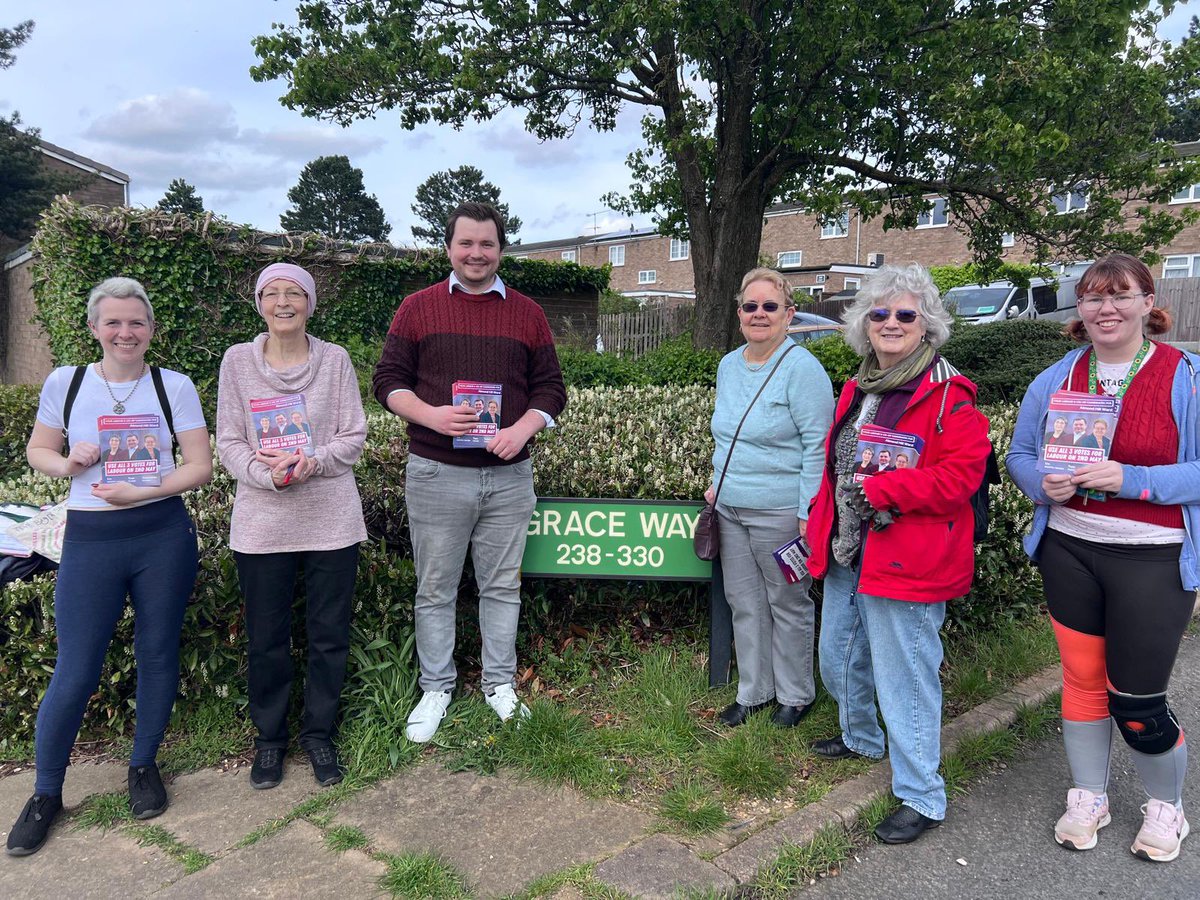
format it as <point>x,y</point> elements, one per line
<point>636,442</point>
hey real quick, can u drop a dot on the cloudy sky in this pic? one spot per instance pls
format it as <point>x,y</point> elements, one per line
<point>160,89</point>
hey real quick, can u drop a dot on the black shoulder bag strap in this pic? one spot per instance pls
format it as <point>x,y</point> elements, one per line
<point>69,401</point>
<point>161,390</point>
<point>761,388</point>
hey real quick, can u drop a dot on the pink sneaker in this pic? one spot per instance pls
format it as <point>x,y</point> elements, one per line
<point>1163,830</point>
<point>1086,814</point>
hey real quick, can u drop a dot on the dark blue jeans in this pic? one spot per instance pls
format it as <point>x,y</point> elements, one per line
<point>147,553</point>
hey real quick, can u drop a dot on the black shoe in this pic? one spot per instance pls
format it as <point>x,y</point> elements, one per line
<point>325,765</point>
<point>33,825</point>
<point>735,713</point>
<point>147,796</point>
<point>267,770</point>
<point>904,826</point>
<point>790,716</point>
<point>834,748</point>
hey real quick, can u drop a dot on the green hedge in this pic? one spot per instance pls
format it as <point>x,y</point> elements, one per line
<point>200,271</point>
<point>638,442</point>
<point>673,362</point>
<point>1002,358</point>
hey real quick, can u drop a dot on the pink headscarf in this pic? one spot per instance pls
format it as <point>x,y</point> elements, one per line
<point>288,272</point>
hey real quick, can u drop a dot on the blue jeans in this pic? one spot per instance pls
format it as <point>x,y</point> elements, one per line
<point>449,509</point>
<point>875,648</point>
<point>773,621</point>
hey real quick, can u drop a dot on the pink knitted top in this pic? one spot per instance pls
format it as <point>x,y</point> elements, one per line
<point>323,513</point>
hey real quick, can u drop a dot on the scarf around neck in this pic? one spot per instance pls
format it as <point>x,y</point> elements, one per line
<point>874,380</point>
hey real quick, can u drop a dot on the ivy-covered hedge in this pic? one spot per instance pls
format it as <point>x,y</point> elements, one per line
<point>199,272</point>
<point>638,442</point>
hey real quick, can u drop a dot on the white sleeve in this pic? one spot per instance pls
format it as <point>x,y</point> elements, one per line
<point>185,403</point>
<point>54,394</point>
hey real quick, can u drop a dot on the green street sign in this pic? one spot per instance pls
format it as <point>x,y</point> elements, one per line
<point>634,539</point>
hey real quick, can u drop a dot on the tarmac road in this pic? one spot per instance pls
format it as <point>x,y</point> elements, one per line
<point>1003,831</point>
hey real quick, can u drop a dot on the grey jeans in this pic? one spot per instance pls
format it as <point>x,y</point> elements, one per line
<point>773,621</point>
<point>449,508</point>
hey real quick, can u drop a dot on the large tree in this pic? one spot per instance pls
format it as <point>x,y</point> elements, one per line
<point>995,105</point>
<point>11,39</point>
<point>330,199</point>
<point>441,192</point>
<point>26,186</point>
<point>1184,124</point>
<point>181,197</point>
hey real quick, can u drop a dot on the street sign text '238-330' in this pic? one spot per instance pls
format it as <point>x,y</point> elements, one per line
<point>636,539</point>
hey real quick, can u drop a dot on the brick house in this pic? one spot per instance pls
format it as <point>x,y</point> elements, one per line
<point>827,257</point>
<point>26,356</point>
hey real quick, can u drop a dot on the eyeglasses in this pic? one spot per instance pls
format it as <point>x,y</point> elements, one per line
<point>904,316</point>
<point>1119,301</point>
<point>294,294</point>
<point>769,306</point>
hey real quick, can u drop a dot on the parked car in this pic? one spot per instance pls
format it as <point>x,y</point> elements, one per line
<point>1044,299</point>
<point>807,327</point>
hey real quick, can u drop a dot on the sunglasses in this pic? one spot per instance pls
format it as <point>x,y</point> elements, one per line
<point>904,316</point>
<point>769,306</point>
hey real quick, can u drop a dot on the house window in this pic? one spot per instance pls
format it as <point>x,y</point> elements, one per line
<point>680,248</point>
<point>1008,239</point>
<point>1181,266</point>
<point>853,283</point>
<point>1071,201</point>
<point>813,290</point>
<point>616,255</point>
<point>568,256</point>
<point>935,216</point>
<point>1188,194</point>
<point>789,259</point>
<point>837,227</point>
<point>647,276</point>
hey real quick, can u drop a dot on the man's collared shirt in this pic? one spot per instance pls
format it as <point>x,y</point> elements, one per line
<point>497,286</point>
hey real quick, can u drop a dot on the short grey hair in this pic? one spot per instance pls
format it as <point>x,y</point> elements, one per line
<point>121,289</point>
<point>770,276</point>
<point>881,288</point>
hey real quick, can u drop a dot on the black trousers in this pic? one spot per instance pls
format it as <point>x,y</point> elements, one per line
<point>267,581</point>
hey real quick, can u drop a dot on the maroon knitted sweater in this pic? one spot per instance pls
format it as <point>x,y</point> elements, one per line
<point>438,337</point>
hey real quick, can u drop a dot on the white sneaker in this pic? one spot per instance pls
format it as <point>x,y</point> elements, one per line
<point>1163,830</point>
<point>505,703</point>
<point>423,721</point>
<point>1086,814</point>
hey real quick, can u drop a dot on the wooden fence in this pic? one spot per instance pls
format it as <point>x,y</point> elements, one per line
<point>1182,297</point>
<point>635,333</point>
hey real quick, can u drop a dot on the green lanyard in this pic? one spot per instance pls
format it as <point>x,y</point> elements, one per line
<point>1133,370</point>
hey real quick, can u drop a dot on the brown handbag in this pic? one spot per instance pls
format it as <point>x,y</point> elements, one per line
<point>706,539</point>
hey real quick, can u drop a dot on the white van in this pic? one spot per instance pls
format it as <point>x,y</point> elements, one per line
<point>1044,299</point>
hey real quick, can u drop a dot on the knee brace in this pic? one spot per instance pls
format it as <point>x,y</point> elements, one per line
<point>1146,723</point>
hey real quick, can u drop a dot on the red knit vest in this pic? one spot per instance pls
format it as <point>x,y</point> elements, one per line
<point>1146,434</point>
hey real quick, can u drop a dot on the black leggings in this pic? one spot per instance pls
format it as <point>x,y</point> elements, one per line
<point>1128,594</point>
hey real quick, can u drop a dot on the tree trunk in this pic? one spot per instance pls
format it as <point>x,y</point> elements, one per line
<point>721,255</point>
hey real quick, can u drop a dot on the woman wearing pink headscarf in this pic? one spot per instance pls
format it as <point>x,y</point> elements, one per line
<point>293,511</point>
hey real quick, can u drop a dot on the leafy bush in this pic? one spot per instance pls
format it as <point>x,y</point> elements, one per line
<point>673,362</point>
<point>586,368</point>
<point>200,271</point>
<point>649,442</point>
<point>1002,358</point>
<point>838,359</point>
<point>18,408</point>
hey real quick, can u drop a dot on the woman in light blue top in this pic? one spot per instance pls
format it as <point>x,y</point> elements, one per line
<point>773,473</point>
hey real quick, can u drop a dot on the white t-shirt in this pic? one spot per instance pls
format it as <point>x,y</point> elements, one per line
<point>93,401</point>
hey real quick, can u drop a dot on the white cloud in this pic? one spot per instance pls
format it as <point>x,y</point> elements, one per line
<point>304,144</point>
<point>182,120</point>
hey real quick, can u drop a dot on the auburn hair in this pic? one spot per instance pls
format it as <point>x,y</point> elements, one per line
<point>1112,274</point>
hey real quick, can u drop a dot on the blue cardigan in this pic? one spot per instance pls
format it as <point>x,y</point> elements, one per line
<point>780,454</point>
<point>1179,483</point>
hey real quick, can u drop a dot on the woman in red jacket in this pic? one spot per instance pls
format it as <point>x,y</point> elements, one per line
<point>895,546</point>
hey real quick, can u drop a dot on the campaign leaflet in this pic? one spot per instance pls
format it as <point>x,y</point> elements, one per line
<point>1079,431</point>
<point>482,398</point>
<point>129,450</point>
<point>790,558</point>
<point>885,450</point>
<point>281,423</point>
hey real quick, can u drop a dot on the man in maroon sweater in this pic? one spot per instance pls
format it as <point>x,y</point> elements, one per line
<point>470,327</point>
